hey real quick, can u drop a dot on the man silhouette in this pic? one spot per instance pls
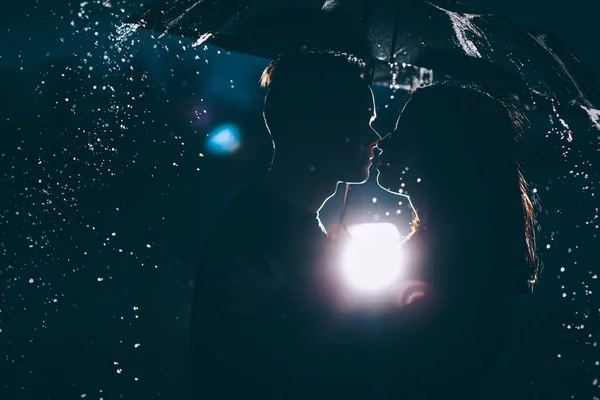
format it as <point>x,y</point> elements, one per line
<point>318,110</point>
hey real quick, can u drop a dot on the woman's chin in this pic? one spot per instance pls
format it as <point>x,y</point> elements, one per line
<point>387,182</point>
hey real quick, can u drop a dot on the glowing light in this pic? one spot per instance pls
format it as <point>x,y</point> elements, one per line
<point>224,139</point>
<point>374,256</point>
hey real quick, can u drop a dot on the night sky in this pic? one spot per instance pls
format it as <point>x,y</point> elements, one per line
<point>117,156</point>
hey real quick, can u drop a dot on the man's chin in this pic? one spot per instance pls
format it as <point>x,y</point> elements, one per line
<point>359,178</point>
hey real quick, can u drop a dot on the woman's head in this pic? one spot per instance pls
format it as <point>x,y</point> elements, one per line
<point>454,152</point>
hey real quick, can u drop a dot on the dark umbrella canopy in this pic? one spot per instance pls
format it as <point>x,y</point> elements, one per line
<point>446,37</point>
<point>264,28</point>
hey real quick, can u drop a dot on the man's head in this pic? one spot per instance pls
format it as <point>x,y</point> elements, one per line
<point>319,110</point>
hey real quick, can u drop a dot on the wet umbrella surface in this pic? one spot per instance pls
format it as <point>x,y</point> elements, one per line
<point>441,36</point>
<point>122,146</point>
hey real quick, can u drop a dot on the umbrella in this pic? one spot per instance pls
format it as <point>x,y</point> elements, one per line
<point>411,40</point>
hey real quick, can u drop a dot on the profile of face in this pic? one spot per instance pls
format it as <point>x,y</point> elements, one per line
<point>420,158</point>
<point>453,153</point>
<point>400,166</point>
<point>346,139</point>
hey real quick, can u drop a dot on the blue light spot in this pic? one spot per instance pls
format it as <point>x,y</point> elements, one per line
<point>223,139</point>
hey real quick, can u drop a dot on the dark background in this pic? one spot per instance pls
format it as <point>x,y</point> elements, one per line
<point>108,191</point>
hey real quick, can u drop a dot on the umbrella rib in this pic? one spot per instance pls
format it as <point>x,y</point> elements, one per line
<point>540,40</point>
<point>395,37</point>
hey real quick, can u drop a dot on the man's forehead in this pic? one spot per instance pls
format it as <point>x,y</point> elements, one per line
<point>354,96</point>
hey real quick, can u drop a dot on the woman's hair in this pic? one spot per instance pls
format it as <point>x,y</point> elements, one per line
<point>473,177</point>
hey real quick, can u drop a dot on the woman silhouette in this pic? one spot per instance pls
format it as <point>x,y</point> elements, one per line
<point>454,152</point>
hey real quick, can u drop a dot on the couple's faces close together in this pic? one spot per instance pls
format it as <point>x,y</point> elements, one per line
<point>350,141</point>
<point>347,138</point>
<point>398,166</point>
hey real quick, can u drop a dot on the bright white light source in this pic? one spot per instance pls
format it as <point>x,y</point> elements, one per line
<point>374,256</point>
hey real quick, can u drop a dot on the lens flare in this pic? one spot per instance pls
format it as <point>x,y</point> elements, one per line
<point>224,139</point>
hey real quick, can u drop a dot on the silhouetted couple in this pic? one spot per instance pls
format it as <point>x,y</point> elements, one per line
<point>268,316</point>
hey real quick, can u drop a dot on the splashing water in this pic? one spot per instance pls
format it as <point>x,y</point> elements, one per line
<point>594,116</point>
<point>202,39</point>
<point>175,21</point>
<point>463,27</point>
<point>69,173</point>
